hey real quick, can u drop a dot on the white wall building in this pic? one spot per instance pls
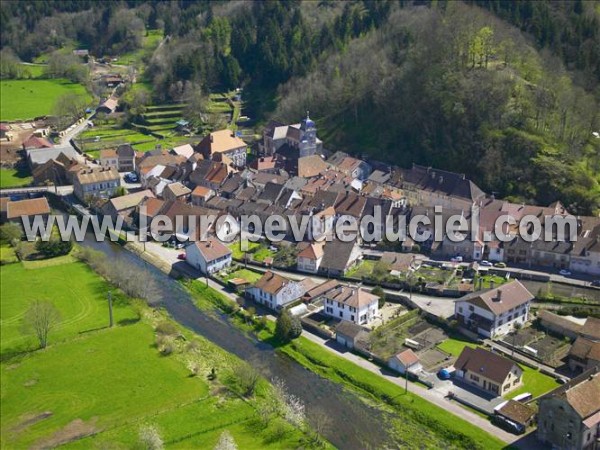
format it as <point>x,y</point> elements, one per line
<point>209,256</point>
<point>496,311</point>
<point>351,304</point>
<point>310,258</point>
<point>275,291</point>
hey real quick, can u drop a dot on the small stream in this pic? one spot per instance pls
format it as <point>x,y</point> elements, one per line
<point>353,424</point>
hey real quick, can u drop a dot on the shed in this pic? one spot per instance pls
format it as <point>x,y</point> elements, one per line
<point>348,333</point>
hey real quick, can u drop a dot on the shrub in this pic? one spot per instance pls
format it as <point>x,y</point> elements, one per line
<point>287,327</point>
<point>166,328</point>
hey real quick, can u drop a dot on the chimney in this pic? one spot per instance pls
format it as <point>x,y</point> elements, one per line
<point>211,138</point>
<point>498,297</point>
<point>491,284</point>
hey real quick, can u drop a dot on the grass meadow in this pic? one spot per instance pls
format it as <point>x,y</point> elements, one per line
<point>94,386</point>
<point>26,99</point>
<point>14,178</point>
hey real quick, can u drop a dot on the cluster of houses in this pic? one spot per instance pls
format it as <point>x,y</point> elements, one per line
<point>290,176</point>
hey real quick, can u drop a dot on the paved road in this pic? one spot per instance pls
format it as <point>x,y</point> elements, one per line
<point>59,190</point>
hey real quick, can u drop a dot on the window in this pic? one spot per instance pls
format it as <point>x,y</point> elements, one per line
<point>352,317</point>
<point>474,377</point>
<point>471,308</point>
<point>500,322</point>
<point>341,314</point>
<point>460,309</point>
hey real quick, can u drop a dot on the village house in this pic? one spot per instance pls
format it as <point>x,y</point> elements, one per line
<point>339,257</point>
<point>125,205</point>
<point>488,371</point>
<point>208,256</point>
<point>585,352</point>
<point>406,360</point>
<point>201,195</point>
<point>585,255</point>
<point>176,191</point>
<point>109,158</point>
<point>126,158</point>
<point>107,107</point>
<point>352,304</point>
<point>553,323</point>
<point>496,311</point>
<point>38,156</point>
<point>36,207</point>
<point>96,183</point>
<point>352,167</point>
<point>569,416</point>
<point>309,259</point>
<point>275,291</point>
<point>185,150</point>
<point>225,143</point>
<point>427,186</point>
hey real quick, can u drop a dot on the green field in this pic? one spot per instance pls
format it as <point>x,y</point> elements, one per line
<point>94,386</point>
<point>246,274</point>
<point>14,178</point>
<point>26,99</point>
<point>76,291</point>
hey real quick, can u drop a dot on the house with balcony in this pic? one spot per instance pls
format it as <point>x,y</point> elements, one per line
<point>494,312</point>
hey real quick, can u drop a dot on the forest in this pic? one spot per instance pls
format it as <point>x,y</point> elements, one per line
<point>505,92</point>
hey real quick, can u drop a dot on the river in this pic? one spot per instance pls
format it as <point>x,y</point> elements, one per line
<point>353,423</point>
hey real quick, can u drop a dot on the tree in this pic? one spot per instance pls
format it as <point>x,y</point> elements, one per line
<point>379,292</point>
<point>54,246</point>
<point>40,319</point>
<point>287,327</point>
<point>150,438</point>
<point>226,442</point>
<point>68,108</point>
<point>10,232</point>
<point>246,378</point>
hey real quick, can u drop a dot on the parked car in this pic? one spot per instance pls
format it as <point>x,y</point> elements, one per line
<point>131,177</point>
<point>595,283</point>
<point>500,265</point>
<point>564,272</point>
<point>457,259</point>
<point>485,263</point>
<point>181,256</point>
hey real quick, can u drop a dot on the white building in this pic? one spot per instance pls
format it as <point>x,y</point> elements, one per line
<point>310,258</point>
<point>405,360</point>
<point>101,182</point>
<point>209,256</point>
<point>275,291</point>
<point>496,311</point>
<point>351,304</point>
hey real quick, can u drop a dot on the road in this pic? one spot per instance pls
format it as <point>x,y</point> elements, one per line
<point>59,190</point>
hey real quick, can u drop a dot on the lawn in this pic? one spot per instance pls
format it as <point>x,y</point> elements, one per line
<point>26,99</point>
<point>362,269</point>
<point>246,274</point>
<point>14,178</point>
<point>257,250</point>
<point>77,292</point>
<point>455,345</point>
<point>534,382</point>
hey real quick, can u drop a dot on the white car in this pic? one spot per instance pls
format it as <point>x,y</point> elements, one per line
<point>564,272</point>
<point>485,263</point>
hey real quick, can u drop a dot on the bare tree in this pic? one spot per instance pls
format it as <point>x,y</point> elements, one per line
<point>226,442</point>
<point>40,318</point>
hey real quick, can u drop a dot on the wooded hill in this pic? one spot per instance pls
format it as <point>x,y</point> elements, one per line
<point>506,92</point>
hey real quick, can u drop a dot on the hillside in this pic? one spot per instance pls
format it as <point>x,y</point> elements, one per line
<point>506,92</point>
<point>458,89</point>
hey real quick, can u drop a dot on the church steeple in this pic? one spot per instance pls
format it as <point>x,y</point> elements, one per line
<point>308,137</point>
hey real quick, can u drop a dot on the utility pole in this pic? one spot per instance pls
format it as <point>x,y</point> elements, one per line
<point>110,311</point>
<point>406,380</point>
